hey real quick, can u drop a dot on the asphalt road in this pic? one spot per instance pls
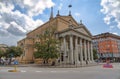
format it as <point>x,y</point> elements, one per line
<point>94,72</point>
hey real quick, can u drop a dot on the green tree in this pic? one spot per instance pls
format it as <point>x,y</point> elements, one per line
<point>95,54</point>
<point>1,53</point>
<point>13,52</point>
<point>47,46</point>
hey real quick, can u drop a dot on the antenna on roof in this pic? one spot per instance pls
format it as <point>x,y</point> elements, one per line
<point>69,6</point>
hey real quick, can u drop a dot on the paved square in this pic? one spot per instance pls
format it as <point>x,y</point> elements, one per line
<point>94,72</point>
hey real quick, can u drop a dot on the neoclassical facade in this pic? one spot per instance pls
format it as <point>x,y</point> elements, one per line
<point>75,41</point>
<point>76,45</point>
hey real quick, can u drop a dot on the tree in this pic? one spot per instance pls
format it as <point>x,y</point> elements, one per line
<point>95,54</point>
<point>47,46</point>
<point>13,52</point>
<point>1,53</point>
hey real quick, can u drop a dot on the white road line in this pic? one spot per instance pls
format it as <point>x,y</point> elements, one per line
<point>53,71</point>
<point>22,71</point>
<point>38,71</point>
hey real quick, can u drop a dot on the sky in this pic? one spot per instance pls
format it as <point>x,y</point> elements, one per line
<point>18,17</point>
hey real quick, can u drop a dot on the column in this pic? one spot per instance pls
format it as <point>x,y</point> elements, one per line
<point>68,53</point>
<point>91,52</point>
<point>81,51</point>
<point>76,50</point>
<point>65,54</point>
<point>85,53</point>
<point>71,49</point>
<point>88,50</point>
<point>61,51</point>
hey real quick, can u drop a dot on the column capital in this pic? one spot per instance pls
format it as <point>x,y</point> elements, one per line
<point>63,36</point>
<point>71,35</point>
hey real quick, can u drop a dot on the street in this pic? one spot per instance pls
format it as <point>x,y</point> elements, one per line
<point>93,72</point>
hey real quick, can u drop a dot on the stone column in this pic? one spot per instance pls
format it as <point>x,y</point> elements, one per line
<point>65,54</point>
<point>71,49</point>
<point>68,53</point>
<point>88,51</point>
<point>76,50</point>
<point>61,51</point>
<point>81,51</point>
<point>91,52</point>
<point>85,52</point>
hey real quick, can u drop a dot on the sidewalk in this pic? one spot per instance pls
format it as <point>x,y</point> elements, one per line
<point>49,66</point>
<point>56,66</point>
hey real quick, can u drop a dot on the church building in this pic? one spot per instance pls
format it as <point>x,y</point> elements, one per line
<point>76,40</point>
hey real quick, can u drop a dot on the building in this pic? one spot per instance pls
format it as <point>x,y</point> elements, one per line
<point>76,40</point>
<point>3,47</point>
<point>107,46</point>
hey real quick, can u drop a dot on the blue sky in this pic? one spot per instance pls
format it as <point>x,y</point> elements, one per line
<point>18,17</point>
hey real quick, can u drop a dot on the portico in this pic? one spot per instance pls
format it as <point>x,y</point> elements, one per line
<point>76,46</point>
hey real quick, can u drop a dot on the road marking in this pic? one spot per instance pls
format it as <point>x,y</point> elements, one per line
<point>22,71</point>
<point>53,71</point>
<point>38,71</point>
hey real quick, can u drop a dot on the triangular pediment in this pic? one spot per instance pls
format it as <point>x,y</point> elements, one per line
<point>71,31</point>
<point>83,30</point>
<point>67,19</point>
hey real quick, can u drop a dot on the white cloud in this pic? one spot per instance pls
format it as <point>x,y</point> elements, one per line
<point>16,22</point>
<point>111,27</point>
<point>107,19</point>
<point>16,29</point>
<point>77,14</point>
<point>115,33</point>
<point>60,6</point>
<point>111,9</point>
<point>35,7</point>
<point>3,33</point>
<point>10,40</point>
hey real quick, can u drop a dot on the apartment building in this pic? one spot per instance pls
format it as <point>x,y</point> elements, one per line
<point>107,45</point>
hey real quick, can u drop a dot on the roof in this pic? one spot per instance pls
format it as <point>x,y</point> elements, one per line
<point>3,45</point>
<point>84,27</point>
<point>64,18</point>
<point>74,29</point>
<point>104,35</point>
